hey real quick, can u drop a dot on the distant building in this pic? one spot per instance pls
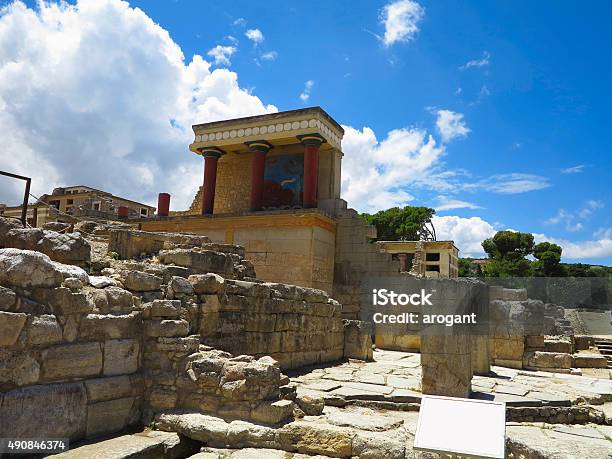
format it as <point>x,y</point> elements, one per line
<point>78,201</point>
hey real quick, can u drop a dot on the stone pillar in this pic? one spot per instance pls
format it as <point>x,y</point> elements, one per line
<point>446,352</point>
<point>311,143</point>
<point>259,148</point>
<point>211,156</point>
<point>163,204</point>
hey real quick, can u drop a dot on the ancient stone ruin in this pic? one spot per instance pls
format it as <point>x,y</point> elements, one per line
<point>112,331</point>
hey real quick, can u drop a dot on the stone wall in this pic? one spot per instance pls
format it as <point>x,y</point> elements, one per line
<point>296,326</point>
<point>69,353</point>
<point>69,248</point>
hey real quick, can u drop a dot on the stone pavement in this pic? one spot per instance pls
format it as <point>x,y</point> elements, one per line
<point>395,377</point>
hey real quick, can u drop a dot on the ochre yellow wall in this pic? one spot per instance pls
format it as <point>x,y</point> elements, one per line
<point>290,248</point>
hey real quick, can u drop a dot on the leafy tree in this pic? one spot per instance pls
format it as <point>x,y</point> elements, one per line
<point>401,224</point>
<point>507,251</point>
<point>548,262</point>
<point>467,268</point>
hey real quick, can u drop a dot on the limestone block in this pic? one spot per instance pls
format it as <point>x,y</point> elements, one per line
<point>101,281</point>
<point>139,281</point>
<point>71,361</point>
<point>71,329</point>
<point>44,330</point>
<point>548,360</point>
<point>207,284</point>
<point>8,298</point>
<point>69,248</point>
<point>446,374</point>
<point>108,417</point>
<point>166,328</point>
<point>49,411</point>
<point>26,268</point>
<point>514,294</point>
<point>358,340</point>
<point>180,285</point>
<point>244,288</point>
<point>11,325</point>
<point>535,342</point>
<point>590,361</point>
<point>272,412</point>
<point>65,302</point>
<point>510,348</point>
<point>203,262</point>
<point>481,355</point>
<point>18,368</point>
<point>121,356</point>
<point>103,389</point>
<point>310,404</point>
<point>160,399</point>
<point>110,326</point>
<point>558,345</point>
<point>118,298</point>
<point>583,342</point>
<point>312,438</point>
<point>166,308</point>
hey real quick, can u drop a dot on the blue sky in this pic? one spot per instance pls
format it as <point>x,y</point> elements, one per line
<point>514,95</point>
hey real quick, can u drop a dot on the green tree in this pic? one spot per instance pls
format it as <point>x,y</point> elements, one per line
<point>548,262</point>
<point>467,268</point>
<point>401,224</point>
<point>507,251</point>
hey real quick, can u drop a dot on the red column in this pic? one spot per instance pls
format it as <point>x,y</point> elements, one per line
<point>163,204</point>
<point>311,168</point>
<point>258,167</point>
<point>211,156</point>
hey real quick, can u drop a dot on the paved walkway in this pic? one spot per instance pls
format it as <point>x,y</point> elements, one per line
<point>395,377</point>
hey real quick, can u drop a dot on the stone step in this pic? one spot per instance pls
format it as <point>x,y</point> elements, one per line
<point>150,444</point>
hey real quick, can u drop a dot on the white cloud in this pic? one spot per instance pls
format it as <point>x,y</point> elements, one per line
<point>305,94</point>
<point>512,183</point>
<point>254,35</point>
<point>482,62</point>
<point>573,220</point>
<point>222,54</point>
<point>595,248</point>
<point>269,56</point>
<point>574,169</point>
<point>98,94</point>
<point>401,20</point>
<point>468,233</point>
<point>240,22</point>
<point>451,125</point>
<point>446,203</point>
<point>375,174</point>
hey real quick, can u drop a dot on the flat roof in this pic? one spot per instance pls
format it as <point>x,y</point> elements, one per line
<point>271,116</point>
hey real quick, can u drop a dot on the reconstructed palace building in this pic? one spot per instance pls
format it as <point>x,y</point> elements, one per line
<point>272,184</point>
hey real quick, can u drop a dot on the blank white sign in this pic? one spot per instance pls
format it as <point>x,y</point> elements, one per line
<point>472,428</point>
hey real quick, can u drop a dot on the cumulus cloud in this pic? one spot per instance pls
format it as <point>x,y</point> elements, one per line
<point>221,54</point>
<point>468,233</point>
<point>401,21</point>
<point>482,62</point>
<point>376,173</point>
<point>255,35</point>
<point>451,125</point>
<point>305,94</point>
<point>98,94</point>
<point>580,250</point>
